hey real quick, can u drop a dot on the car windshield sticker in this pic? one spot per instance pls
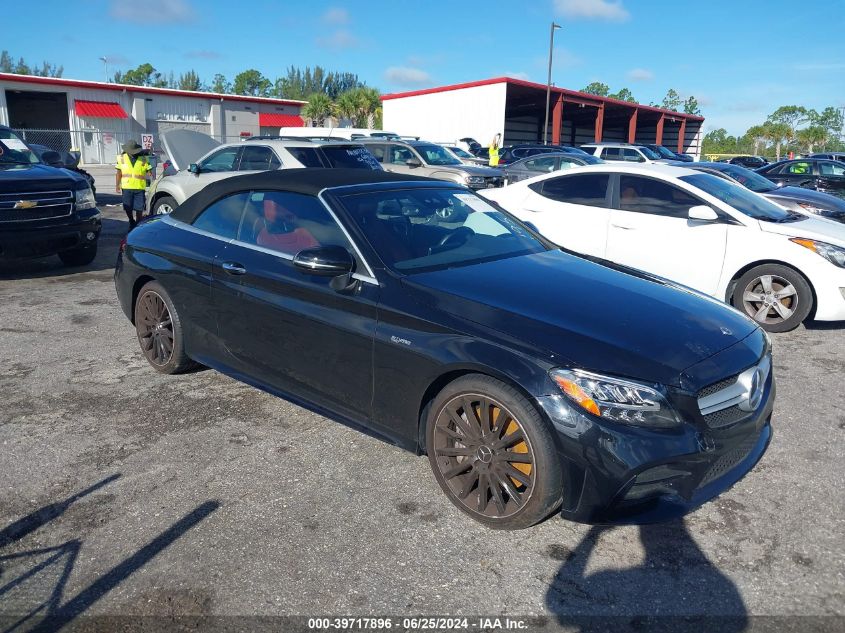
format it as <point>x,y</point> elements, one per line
<point>14,143</point>
<point>475,203</point>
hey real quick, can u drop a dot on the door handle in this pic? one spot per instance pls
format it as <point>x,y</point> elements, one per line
<point>233,268</point>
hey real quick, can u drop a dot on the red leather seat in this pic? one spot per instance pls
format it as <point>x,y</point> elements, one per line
<point>280,231</point>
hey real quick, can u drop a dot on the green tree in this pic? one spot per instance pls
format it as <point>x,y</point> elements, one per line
<point>672,100</point>
<point>220,84</point>
<point>369,105</point>
<point>778,133</point>
<point>190,81</point>
<point>318,109</point>
<point>346,107</point>
<point>143,75</point>
<point>757,135</point>
<point>811,136</point>
<point>6,63</point>
<point>791,116</point>
<point>252,83</point>
<point>596,88</point>
<point>22,68</point>
<point>623,95</point>
<point>830,119</point>
<point>691,106</point>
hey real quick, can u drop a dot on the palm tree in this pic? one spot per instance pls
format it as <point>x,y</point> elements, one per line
<point>318,109</point>
<point>369,105</point>
<point>757,134</point>
<point>813,135</point>
<point>346,107</point>
<point>778,133</point>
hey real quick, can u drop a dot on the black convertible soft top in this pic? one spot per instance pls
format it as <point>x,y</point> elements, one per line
<point>309,181</point>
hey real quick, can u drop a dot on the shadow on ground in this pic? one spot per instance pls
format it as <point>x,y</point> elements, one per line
<point>674,588</point>
<point>41,574</point>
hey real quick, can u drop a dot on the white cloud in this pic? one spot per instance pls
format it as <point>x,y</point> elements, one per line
<point>340,39</point>
<point>404,76</point>
<point>640,74</point>
<point>153,11</point>
<point>336,15</point>
<point>517,75</point>
<point>610,10</point>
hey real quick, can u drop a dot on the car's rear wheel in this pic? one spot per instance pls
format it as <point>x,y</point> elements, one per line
<point>775,296</point>
<point>492,453</point>
<point>160,330</point>
<point>81,256</point>
<point>165,206</point>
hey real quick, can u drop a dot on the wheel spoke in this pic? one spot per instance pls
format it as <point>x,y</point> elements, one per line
<point>753,296</point>
<point>466,427</point>
<point>762,313</point>
<point>454,451</point>
<point>147,342</point>
<point>496,489</point>
<point>509,440</point>
<point>452,433</point>
<point>766,281</point>
<point>457,469</point>
<point>472,416</point>
<point>469,483</point>
<point>788,291</point>
<point>515,458</point>
<point>514,473</point>
<point>167,344</point>
<point>782,310</point>
<point>483,492</point>
<point>508,487</point>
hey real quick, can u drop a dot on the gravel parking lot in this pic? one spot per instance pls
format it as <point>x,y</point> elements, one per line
<point>128,493</point>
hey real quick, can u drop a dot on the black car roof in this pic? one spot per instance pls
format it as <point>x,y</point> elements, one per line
<point>308,181</point>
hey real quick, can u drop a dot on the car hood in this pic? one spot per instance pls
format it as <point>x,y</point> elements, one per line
<point>810,228</point>
<point>36,177</point>
<point>598,317</point>
<point>816,198</point>
<point>184,147</point>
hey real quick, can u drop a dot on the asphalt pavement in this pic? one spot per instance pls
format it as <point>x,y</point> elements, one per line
<point>125,493</point>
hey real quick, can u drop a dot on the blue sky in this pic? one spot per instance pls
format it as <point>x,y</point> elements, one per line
<point>740,58</point>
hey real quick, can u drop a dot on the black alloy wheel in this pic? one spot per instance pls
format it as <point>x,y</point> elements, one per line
<point>492,454</point>
<point>159,330</point>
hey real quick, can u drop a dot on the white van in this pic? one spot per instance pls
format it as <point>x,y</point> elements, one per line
<point>347,133</point>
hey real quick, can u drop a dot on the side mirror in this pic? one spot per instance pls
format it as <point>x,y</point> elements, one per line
<point>326,261</point>
<point>194,168</point>
<point>413,162</point>
<point>54,159</point>
<point>703,213</point>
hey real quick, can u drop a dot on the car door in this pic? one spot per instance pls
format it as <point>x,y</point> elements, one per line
<point>220,164</point>
<point>571,210</point>
<point>831,177</point>
<point>530,168</point>
<point>396,157</point>
<point>650,229</point>
<point>611,153</point>
<point>289,329</point>
<point>797,173</point>
<point>258,158</point>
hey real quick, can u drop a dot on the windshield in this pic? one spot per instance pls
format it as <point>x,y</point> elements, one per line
<point>457,151</point>
<point>650,153</point>
<point>741,199</point>
<point>13,151</point>
<point>665,153</point>
<point>419,230</point>
<point>749,179</point>
<point>436,155</point>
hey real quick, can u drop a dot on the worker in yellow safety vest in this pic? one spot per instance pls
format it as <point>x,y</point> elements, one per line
<point>495,144</point>
<point>133,169</point>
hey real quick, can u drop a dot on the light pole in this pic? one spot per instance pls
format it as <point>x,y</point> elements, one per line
<point>105,67</point>
<point>549,81</point>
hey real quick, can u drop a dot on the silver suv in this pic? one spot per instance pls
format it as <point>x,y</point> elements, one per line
<point>200,160</point>
<point>422,158</point>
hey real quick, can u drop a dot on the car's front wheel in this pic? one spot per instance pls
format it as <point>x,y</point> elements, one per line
<point>775,296</point>
<point>159,330</point>
<point>165,206</point>
<point>492,454</point>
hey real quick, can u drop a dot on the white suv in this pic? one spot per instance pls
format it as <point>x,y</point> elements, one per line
<point>200,160</point>
<point>624,152</point>
<point>694,228</point>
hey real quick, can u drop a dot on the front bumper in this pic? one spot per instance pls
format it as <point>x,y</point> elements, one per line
<point>615,473</point>
<point>20,242</point>
<point>830,294</point>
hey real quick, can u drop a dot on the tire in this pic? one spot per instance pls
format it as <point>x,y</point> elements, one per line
<point>159,331</point>
<point>777,297</point>
<point>165,206</point>
<point>521,477</point>
<point>79,256</point>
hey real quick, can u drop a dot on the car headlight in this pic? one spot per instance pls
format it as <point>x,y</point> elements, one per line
<point>474,180</point>
<point>834,254</point>
<point>85,199</point>
<point>615,399</point>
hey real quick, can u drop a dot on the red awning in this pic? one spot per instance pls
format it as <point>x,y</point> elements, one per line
<point>274,119</point>
<point>102,109</point>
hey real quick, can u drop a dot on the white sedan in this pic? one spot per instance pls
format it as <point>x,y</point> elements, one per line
<point>694,228</point>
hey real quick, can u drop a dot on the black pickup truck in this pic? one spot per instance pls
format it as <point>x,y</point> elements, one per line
<point>44,210</point>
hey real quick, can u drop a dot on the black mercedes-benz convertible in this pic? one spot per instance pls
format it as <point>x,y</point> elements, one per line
<point>534,379</point>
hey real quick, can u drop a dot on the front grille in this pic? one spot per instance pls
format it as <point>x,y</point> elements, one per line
<point>717,386</point>
<point>730,459</point>
<point>49,204</point>
<point>725,417</point>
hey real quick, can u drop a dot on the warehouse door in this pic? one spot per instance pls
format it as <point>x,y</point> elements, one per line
<point>42,117</point>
